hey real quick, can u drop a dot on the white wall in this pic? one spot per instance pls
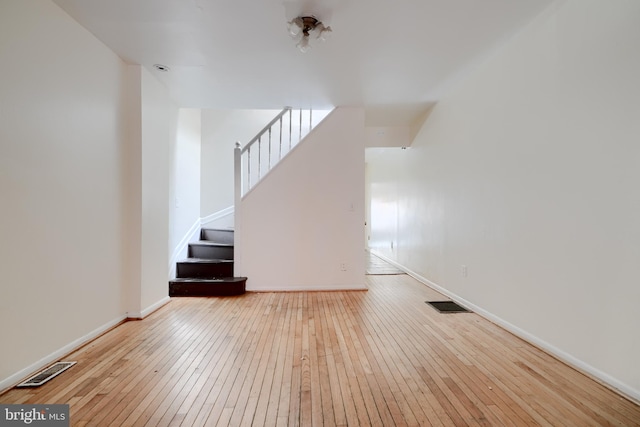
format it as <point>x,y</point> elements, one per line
<point>306,218</point>
<point>64,131</point>
<point>84,165</point>
<point>184,214</point>
<point>131,179</point>
<point>149,164</point>
<point>220,131</point>
<point>388,136</point>
<point>159,128</point>
<point>528,175</point>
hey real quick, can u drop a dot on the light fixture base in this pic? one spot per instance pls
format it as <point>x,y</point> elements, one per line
<point>309,23</point>
<point>302,27</point>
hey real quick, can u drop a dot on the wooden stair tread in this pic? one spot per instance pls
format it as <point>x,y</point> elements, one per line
<point>205,261</point>
<point>209,268</point>
<point>207,287</point>
<point>209,279</point>
<point>210,243</point>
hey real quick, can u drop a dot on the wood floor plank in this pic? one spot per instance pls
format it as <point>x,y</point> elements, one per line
<point>192,407</point>
<point>380,378</point>
<point>438,370</point>
<point>169,363</point>
<point>306,413</point>
<point>296,366</point>
<point>354,403</point>
<point>317,418</point>
<point>267,402</point>
<point>433,410</point>
<point>326,370</point>
<point>339,412</point>
<point>237,364</point>
<point>287,374</point>
<point>257,376</point>
<point>376,407</point>
<point>438,329</point>
<point>196,395</point>
<point>380,357</point>
<point>262,382</point>
<point>175,392</point>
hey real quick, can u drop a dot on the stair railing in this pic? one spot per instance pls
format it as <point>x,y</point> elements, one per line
<point>270,145</point>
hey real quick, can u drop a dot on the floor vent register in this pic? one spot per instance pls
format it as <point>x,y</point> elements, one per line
<point>46,374</point>
<point>447,307</point>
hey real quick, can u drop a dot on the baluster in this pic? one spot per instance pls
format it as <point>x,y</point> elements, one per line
<point>269,152</point>
<point>249,168</point>
<point>257,175</point>
<point>280,143</point>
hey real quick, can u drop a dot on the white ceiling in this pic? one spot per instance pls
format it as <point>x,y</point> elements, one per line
<point>393,57</point>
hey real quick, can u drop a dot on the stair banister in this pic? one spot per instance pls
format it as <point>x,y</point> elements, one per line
<point>267,128</point>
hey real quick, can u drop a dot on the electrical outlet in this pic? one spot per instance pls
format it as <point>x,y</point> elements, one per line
<point>343,266</point>
<point>463,270</point>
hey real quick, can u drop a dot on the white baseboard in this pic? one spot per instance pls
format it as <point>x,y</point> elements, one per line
<point>217,215</point>
<point>56,355</point>
<point>602,377</point>
<point>139,315</point>
<point>307,288</point>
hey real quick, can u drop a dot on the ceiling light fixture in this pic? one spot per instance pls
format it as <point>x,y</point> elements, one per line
<point>304,29</point>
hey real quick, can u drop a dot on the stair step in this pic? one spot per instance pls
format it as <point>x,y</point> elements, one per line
<point>219,235</point>
<point>195,287</point>
<point>209,269</point>
<point>198,267</point>
<point>210,250</point>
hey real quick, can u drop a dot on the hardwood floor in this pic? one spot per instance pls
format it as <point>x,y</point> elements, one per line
<point>376,265</point>
<point>381,357</point>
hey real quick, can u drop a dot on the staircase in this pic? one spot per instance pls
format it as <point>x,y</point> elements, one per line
<point>209,269</point>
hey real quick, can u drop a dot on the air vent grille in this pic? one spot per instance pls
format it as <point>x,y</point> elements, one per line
<point>447,307</point>
<point>46,374</point>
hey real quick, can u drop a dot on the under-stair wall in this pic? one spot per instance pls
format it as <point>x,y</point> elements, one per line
<point>301,227</point>
<point>220,130</point>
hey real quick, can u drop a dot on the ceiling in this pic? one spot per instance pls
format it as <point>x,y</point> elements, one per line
<point>394,58</point>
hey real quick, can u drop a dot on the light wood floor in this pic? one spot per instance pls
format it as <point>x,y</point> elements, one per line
<point>378,357</point>
<point>376,265</point>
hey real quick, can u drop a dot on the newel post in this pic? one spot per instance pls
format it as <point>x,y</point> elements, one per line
<point>237,202</point>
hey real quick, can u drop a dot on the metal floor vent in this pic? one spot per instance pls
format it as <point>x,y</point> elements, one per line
<point>46,374</point>
<point>447,307</point>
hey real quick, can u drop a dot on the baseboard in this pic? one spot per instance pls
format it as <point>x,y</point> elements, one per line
<point>217,215</point>
<point>178,252</point>
<point>139,315</point>
<point>14,379</point>
<point>308,288</point>
<point>592,372</point>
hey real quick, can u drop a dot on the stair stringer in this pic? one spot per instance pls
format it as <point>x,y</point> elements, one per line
<point>302,227</point>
